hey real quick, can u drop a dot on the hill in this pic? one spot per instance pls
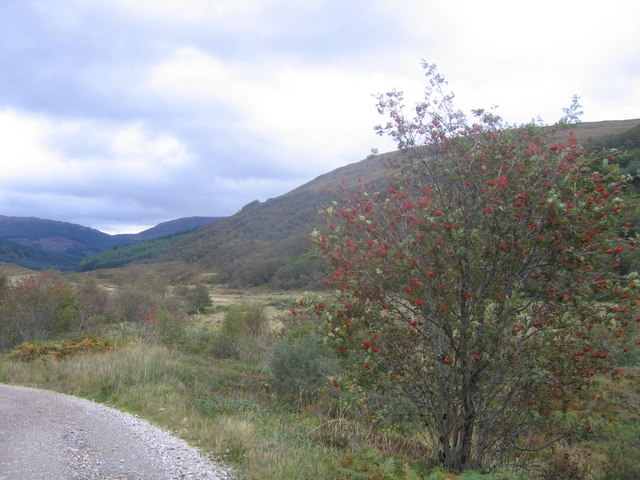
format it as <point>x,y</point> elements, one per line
<point>39,243</point>
<point>267,243</point>
<point>171,227</point>
<point>122,255</point>
<point>34,258</point>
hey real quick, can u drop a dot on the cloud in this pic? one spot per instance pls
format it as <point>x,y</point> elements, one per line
<point>79,165</point>
<point>116,112</point>
<point>529,59</point>
<point>293,107</point>
<point>45,148</point>
<point>103,175</point>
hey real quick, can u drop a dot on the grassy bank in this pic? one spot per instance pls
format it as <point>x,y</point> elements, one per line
<point>180,393</point>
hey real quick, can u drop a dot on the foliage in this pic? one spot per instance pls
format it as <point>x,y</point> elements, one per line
<point>214,405</point>
<point>59,349</point>
<point>300,367</point>
<point>37,308</point>
<point>141,300</point>
<point>485,283</point>
<point>225,407</point>
<point>198,299</point>
<point>374,465</point>
<point>170,329</point>
<point>622,450</point>
<point>121,255</point>
<point>242,333</point>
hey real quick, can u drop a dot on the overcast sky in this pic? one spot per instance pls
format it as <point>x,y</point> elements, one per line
<point>120,114</point>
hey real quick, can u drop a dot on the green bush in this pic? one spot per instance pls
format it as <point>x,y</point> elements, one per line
<point>37,308</point>
<point>214,405</point>
<point>170,329</point>
<point>242,335</point>
<point>300,367</point>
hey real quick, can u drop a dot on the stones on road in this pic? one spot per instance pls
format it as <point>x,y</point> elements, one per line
<point>49,436</point>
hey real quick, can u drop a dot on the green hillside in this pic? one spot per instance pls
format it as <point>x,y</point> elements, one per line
<point>41,244</point>
<point>121,255</point>
<point>267,243</point>
<point>34,258</point>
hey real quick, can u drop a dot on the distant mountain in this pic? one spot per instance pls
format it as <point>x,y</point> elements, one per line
<point>169,228</point>
<point>122,255</point>
<point>34,258</point>
<point>39,243</point>
<point>267,243</point>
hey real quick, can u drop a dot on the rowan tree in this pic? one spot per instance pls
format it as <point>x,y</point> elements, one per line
<point>483,283</point>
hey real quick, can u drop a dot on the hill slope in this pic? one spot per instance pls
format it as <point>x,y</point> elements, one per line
<point>39,243</point>
<point>170,227</point>
<point>267,243</point>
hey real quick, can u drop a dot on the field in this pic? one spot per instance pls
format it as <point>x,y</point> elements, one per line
<point>252,389</point>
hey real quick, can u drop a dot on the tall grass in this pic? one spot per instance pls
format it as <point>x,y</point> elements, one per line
<point>163,386</point>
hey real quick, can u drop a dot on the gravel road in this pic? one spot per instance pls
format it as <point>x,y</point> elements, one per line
<point>49,436</point>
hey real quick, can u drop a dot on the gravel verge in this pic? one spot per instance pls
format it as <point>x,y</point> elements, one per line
<point>48,435</point>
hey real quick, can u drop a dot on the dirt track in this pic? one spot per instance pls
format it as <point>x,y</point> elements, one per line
<point>50,436</point>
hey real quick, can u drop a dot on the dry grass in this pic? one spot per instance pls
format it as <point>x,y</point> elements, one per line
<point>161,385</point>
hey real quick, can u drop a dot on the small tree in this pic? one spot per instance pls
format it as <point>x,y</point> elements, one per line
<point>198,299</point>
<point>484,282</point>
<point>38,308</point>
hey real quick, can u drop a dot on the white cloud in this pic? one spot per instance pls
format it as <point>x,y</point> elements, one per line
<point>21,145</point>
<point>528,58</point>
<point>147,105</point>
<point>307,112</point>
<point>36,149</point>
<point>134,147</point>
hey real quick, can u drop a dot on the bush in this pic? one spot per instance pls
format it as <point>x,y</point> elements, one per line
<point>199,299</point>
<point>170,329</point>
<point>300,367</point>
<point>37,308</point>
<point>242,334</point>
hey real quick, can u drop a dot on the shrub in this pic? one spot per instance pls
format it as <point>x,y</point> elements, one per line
<point>37,308</point>
<point>242,334</point>
<point>622,449</point>
<point>485,282</point>
<point>170,329</point>
<point>300,367</point>
<point>199,299</point>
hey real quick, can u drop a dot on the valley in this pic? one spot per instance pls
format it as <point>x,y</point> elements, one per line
<point>224,335</point>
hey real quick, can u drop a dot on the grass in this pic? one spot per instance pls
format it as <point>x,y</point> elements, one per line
<point>174,391</point>
<point>223,408</point>
<point>229,409</point>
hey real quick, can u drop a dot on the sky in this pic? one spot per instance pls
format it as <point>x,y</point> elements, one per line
<point>121,114</point>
